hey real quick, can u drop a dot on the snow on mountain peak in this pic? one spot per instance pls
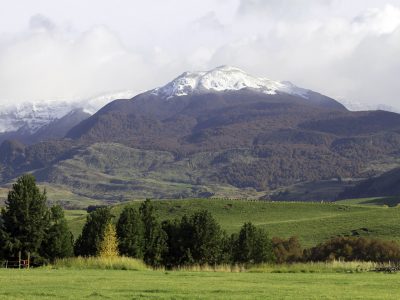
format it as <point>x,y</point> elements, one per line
<point>31,116</point>
<point>225,78</point>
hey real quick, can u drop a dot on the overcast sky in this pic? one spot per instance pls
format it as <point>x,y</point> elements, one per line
<point>68,49</point>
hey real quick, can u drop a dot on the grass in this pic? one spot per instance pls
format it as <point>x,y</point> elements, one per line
<point>311,222</point>
<point>117,284</point>
<point>319,267</point>
<point>376,201</point>
<point>101,263</point>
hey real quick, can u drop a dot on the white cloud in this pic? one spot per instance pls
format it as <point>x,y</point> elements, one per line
<point>345,49</point>
<point>47,63</point>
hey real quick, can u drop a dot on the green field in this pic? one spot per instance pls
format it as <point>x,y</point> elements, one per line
<point>311,222</point>
<point>113,284</point>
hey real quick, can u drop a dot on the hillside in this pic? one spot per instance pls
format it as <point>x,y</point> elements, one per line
<point>387,184</point>
<point>311,222</point>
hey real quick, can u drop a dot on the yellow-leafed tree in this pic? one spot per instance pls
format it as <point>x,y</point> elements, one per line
<point>109,244</point>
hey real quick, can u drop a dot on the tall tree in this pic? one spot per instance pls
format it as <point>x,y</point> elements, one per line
<point>109,243</point>
<point>155,238</point>
<point>88,243</point>
<point>58,242</point>
<point>205,238</point>
<point>130,231</point>
<point>197,239</point>
<point>26,218</point>
<point>253,246</point>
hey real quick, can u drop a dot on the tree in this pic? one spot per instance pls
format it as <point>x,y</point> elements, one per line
<point>253,246</point>
<point>154,236</point>
<point>4,239</point>
<point>26,218</point>
<point>58,242</point>
<point>175,255</point>
<point>88,243</point>
<point>109,243</point>
<point>197,239</point>
<point>205,238</point>
<point>130,232</point>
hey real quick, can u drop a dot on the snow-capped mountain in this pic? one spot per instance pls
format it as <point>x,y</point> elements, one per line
<point>225,78</point>
<point>358,106</point>
<point>29,117</point>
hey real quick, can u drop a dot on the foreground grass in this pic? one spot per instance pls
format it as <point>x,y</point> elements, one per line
<point>114,284</point>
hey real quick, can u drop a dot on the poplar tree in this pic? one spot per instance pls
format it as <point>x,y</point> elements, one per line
<point>109,243</point>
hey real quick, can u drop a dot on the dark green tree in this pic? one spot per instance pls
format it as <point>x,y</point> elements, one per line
<point>205,236</point>
<point>155,238</point>
<point>58,242</point>
<point>253,246</point>
<point>26,219</point>
<point>176,244</point>
<point>88,243</point>
<point>197,239</point>
<point>4,239</point>
<point>130,232</point>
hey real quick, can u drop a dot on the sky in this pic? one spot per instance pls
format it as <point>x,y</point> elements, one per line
<point>74,49</point>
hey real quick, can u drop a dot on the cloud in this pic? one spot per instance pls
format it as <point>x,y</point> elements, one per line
<point>279,9</point>
<point>344,57</point>
<point>41,22</point>
<point>344,49</point>
<point>46,62</point>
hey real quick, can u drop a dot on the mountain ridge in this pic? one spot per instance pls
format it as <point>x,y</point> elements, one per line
<point>242,141</point>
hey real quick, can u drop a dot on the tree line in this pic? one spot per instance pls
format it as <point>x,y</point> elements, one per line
<point>27,225</point>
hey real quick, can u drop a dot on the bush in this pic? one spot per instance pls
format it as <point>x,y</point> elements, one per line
<point>353,249</point>
<point>287,251</point>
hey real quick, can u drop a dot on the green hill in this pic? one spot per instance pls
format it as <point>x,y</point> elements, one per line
<point>311,222</point>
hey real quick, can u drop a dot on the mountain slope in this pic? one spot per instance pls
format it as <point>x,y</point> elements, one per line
<point>385,185</point>
<point>200,111</point>
<point>221,132</point>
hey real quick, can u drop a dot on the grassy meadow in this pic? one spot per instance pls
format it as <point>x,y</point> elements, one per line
<point>311,222</point>
<point>121,284</point>
<point>122,278</point>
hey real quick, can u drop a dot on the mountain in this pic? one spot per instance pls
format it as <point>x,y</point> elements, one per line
<point>221,133</point>
<point>32,122</point>
<point>385,185</point>
<point>358,106</point>
<point>219,109</point>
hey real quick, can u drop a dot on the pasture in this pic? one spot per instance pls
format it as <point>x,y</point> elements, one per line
<point>311,222</point>
<point>117,284</point>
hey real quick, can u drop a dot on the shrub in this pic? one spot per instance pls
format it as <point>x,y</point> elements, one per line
<point>355,248</point>
<point>287,251</point>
